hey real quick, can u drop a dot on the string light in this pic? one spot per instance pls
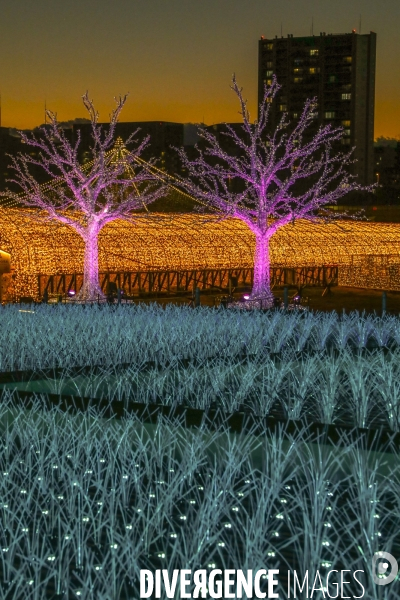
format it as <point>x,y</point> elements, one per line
<point>187,242</point>
<point>269,168</point>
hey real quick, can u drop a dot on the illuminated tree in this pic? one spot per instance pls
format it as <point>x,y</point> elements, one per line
<point>85,197</point>
<point>284,175</point>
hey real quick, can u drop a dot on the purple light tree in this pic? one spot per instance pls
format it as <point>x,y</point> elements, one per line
<point>270,167</point>
<point>85,197</point>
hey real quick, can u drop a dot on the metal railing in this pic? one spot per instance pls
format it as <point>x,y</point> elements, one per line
<point>175,282</point>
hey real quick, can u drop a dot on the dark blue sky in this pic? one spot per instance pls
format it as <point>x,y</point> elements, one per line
<point>175,57</point>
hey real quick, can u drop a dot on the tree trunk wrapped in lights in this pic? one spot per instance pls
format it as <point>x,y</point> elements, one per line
<point>85,197</point>
<point>261,281</point>
<point>91,287</point>
<point>270,167</point>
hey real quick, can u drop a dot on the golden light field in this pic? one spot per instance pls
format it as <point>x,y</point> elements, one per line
<point>180,242</point>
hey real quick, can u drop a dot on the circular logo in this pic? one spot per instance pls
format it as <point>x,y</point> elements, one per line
<point>381,564</point>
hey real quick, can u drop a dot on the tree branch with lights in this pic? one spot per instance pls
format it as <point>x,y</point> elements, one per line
<point>270,168</point>
<point>112,185</point>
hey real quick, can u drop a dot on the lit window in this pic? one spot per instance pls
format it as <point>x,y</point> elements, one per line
<point>269,64</point>
<point>313,70</point>
<point>314,52</point>
<point>330,114</point>
<point>331,78</point>
<point>295,115</point>
<point>346,123</point>
<point>282,107</point>
<point>297,71</point>
<point>346,96</point>
<point>269,100</point>
<point>298,79</point>
<point>270,46</point>
<point>269,73</point>
<point>347,59</point>
<point>345,141</point>
<point>269,81</point>
<point>347,132</point>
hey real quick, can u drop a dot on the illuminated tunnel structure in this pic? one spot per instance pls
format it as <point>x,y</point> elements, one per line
<point>368,254</point>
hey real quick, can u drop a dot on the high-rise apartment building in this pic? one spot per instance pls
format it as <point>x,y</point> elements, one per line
<point>339,71</point>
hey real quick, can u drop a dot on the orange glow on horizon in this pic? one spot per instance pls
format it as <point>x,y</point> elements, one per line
<point>27,115</point>
<point>30,115</point>
<point>387,119</point>
<point>175,60</point>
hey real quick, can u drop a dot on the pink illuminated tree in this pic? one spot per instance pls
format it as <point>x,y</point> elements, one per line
<point>110,186</point>
<point>284,175</point>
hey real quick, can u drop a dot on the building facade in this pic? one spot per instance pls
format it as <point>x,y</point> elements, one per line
<point>10,143</point>
<point>339,71</point>
<point>387,172</point>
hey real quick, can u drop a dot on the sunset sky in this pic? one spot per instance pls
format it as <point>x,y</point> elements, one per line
<point>174,57</point>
